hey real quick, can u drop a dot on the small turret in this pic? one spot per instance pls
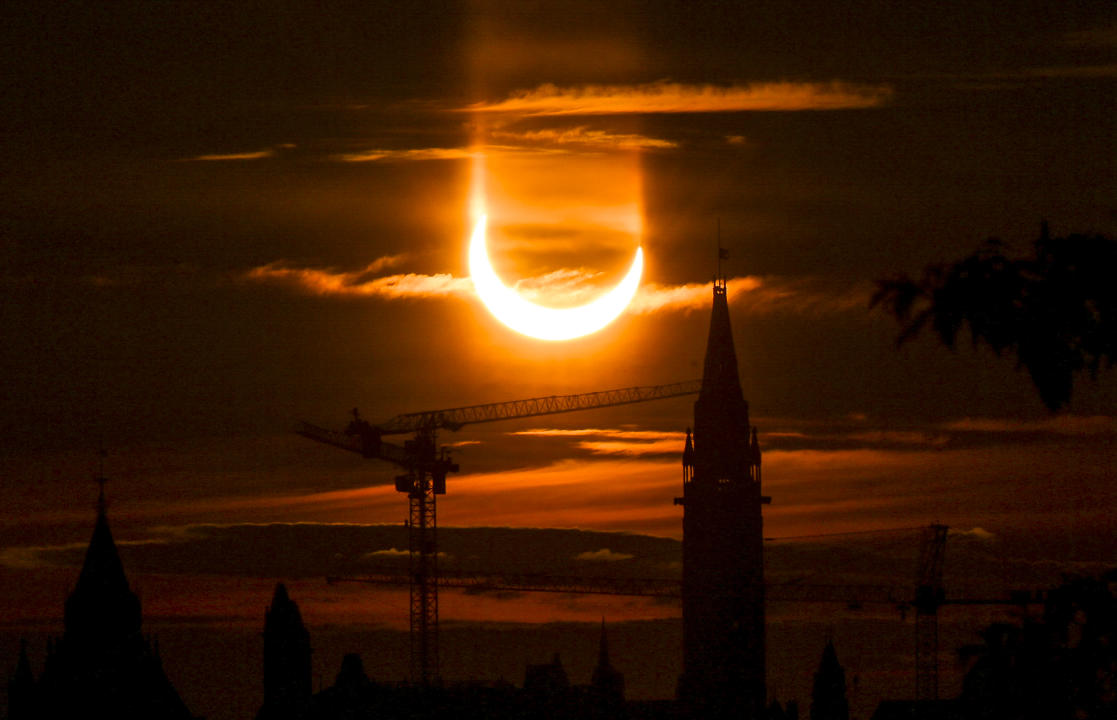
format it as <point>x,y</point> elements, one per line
<point>287,670</point>
<point>828,696</point>
<point>21,687</point>
<point>608,683</point>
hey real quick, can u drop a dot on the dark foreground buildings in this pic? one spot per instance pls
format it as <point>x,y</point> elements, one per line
<point>723,565</point>
<point>103,665</point>
<point>546,694</point>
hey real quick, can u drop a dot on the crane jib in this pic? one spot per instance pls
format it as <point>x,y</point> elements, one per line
<point>455,418</point>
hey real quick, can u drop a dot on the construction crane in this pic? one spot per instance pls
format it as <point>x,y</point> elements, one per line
<point>426,467</point>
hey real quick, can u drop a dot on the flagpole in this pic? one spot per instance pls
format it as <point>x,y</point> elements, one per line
<point>719,250</point>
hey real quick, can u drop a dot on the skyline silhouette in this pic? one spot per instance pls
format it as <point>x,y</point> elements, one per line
<point>219,220</point>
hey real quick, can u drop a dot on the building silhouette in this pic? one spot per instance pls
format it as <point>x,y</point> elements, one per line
<point>547,692</point>
<point>607,683</point>
<point>103,665</point>
<point>723,574</point>
<point>287,670</point>
<point>828,693</point>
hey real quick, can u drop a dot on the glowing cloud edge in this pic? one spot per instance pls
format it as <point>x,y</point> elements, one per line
<point>537,321</point>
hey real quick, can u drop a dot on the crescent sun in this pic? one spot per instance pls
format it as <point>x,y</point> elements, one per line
<point>542,322</point>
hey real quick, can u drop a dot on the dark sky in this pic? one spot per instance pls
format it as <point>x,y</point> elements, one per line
<point>218,219</point>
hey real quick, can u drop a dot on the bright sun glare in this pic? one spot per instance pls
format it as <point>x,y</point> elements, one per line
<point>542,322</point>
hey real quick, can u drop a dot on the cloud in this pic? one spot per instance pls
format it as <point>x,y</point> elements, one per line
<point>626,443</point>
<point>414,154</point>
<point>31,557</point>
<point>331,282</point>
<point>654,297</point>
<point>898,437</point>
<point>977,533</point>
<point>1058,425</point>
<point>603,555</point>
<point>390,552</point>
<point>759,295</point>
<point>568,287</point>
<point>645,435</point>
<point>232,157</point>
<point>667,97</point>
<point>583,136</point>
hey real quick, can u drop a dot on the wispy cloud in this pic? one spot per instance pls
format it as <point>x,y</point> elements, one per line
<point>758,295</point>
<point>358,283</point>
<point>586,138</point>
<point>390,552</point>
<point>240,156</point>
<point>616,442</point>
<point>1059,425</point>
<point>609,441</point>
<point>603,555</point>
<point>654,297</point>
<point>567,287</point>
<point>629,448</point>
<point>645,435</point>
<point>410,155</point>
<point>668,97</point>
<point>977,533</point>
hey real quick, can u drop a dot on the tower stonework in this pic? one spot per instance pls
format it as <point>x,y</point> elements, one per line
<point>723,567</point>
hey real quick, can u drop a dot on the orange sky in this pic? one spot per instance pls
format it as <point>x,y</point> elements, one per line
<point>217,223</point>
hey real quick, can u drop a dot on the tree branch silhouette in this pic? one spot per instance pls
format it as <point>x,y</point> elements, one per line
<point>1056,311</point>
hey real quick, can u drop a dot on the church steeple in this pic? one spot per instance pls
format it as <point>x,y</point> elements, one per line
<point>103,666</point>
<point>102,603</point>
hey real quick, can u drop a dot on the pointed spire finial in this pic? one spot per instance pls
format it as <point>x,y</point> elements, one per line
<point>101,479</point>
<point>603,647</point>
<point>102,504</point>
<point>723,254</point>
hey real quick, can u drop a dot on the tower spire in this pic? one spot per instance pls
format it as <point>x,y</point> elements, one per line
<point>102,505</point>
<point>723,254</point>
<point>723,570</point>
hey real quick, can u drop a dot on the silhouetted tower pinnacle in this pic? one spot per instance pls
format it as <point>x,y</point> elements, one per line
<point>287,671</point>
<point>723,573</point>
<point>828,696</point>
<point>607,682</point>
<point>103,666</point>
<point>21,687</point>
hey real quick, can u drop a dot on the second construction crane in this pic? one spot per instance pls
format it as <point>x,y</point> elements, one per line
<point>425,468</point>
